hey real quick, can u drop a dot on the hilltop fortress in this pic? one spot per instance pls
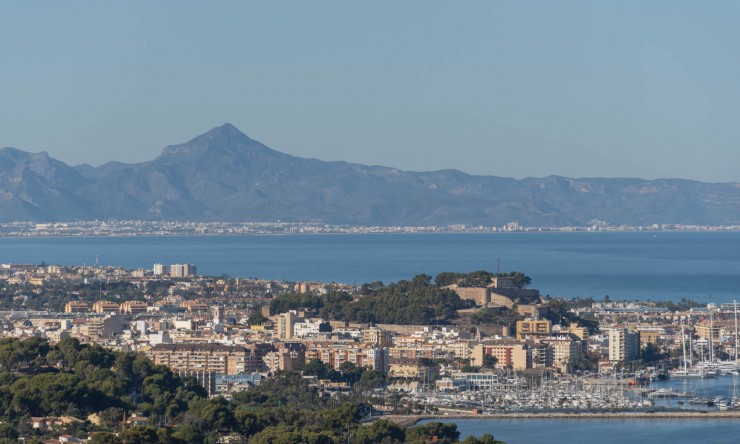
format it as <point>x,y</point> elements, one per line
<point>502,292</point>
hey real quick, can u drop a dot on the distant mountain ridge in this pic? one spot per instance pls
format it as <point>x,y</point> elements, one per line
<point>223,175</point>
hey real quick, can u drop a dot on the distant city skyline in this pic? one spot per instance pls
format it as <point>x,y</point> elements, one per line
<point>571,88</point>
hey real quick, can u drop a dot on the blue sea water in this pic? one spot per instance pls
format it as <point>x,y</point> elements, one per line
<point>604,431</point>
<point>704,266</point>
<point>614,430</point>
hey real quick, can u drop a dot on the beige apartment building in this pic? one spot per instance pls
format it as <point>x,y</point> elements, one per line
<point>649,337</point>
<point>222,359</point>
<point>133,307</point>
<point>194,305</point>
<point>564,350</point>
<point>405,369</point>
<point>533,328</point>
<point>509,354</point>
<point>76,307</point>
<point>101,307</point>
<point>376,336</point>
<point>706,331</point>
<point>335,354</point>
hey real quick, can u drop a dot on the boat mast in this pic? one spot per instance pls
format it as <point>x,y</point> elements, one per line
<point>734,303</point>
<point>683,345</point>
<point>711,335</point>
<point>691,348</point>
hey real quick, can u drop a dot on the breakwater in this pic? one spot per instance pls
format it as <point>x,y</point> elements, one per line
<point>408,420</point>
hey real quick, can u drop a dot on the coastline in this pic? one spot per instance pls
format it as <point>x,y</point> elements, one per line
<point>411,420</point>
<point>321,229</point>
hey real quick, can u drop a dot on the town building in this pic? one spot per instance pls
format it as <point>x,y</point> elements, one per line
<point>222,359</point>
<point>76,307</point>
<point>183,270</point>
<point>508,354</point>
<point>533,328</point>
<point>101,307</point>
<point>623,345</point>
<point>133,307</point>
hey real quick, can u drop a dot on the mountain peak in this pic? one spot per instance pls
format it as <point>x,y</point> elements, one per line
<point>226,129</point>
<point>221,139</point>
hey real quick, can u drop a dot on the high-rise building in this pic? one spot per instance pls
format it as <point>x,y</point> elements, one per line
<point>160,269</point>
<point>286,323</point>
<point>564,350</point>
<point>623,345</point>
<point>182,270</point>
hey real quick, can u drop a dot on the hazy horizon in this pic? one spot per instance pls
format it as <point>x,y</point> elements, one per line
<point>51,154</point>
<point>573,88</point>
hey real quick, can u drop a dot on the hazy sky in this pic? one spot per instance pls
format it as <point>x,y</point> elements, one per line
<point>624,88</point>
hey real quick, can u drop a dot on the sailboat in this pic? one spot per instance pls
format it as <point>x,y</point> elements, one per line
<point>708,367</point>
<point>730,366</point>
<point>685,373</point>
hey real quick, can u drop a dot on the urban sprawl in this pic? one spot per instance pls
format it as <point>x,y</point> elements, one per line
<point>184,228</point>
<point>500,347</point>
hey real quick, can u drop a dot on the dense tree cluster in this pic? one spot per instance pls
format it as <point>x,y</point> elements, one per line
<point>360,378</point>
<point>495,316</point>
<point>53,295</point>
<point>417,301</point>
<point>39,379</point>
<point>560,313</point>
<point>683,305</point>
<point>480,278</point>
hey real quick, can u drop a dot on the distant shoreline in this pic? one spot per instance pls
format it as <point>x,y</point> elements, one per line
<point>349,232</point>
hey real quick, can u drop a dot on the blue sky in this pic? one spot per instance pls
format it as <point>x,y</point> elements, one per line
<point>573,88</point>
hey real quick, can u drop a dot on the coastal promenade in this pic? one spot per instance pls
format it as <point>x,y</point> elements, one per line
<point>409,420</point>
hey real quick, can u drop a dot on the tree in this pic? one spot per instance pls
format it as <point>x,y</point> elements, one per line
<point>316,367</point>
<point>139,434</point>
<point>380,431</point>
<point>370,379</point>
<point>8,431</point>
<point>489,361</point>
<point>189,433</point>
<point>652,354</point>
<point>104,438</point>
<point>290,435</point>
<point>444,433</point>
<point>521,280</point>
<point>257,318</point>
<point>485,439</point>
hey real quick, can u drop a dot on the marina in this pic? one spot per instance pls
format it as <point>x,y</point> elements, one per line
<point>590,394</point>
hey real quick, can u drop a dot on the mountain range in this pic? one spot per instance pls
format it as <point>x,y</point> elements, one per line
<point>223,175</point>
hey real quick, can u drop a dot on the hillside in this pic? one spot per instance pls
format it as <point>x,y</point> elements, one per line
<point>223,175</point>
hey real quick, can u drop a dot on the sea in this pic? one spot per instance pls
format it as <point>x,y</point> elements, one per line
<point>604,431</point>
<point>703,266</point>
